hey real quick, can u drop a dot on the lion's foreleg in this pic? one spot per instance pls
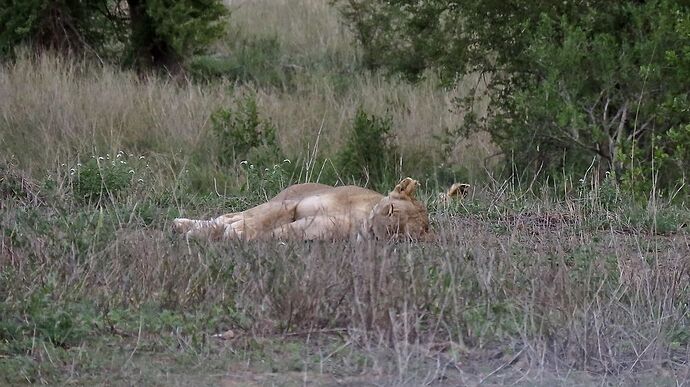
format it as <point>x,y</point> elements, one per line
<point>314,227</point>
<point>250,224</point>
<point>260,221</point>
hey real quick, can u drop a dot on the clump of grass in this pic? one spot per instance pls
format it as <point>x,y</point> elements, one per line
<point>17,185</point>
<point>242,133</point>
<point>369,153</point>
<point>106,177</point>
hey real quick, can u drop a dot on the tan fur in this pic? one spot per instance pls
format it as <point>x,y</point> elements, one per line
<point>317,211</point>
<point>457,190</point>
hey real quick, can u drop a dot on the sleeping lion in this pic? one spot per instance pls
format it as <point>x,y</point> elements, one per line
<point>316,211</point>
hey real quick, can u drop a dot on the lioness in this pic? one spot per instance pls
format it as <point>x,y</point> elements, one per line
<point>317,211</point>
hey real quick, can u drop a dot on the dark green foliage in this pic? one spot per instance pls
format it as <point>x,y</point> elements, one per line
<point>187,26</point>
<point>43,317</point>
<point>569,82</point>
<point>242,134</point>
<point>98,178</point>
<point>142,33</point>
<point>452,37</point>
<point>602,87</point>
<point>63,25</point>
<point>369,154</point>
<point>163,32</point>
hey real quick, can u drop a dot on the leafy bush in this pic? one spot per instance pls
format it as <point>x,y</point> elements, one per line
<point>242,134</point>
<point>57,322</point>
<point>58,25</point>
<point>369,154</point>
<point>144,33</point>
<point>567,81</point>
<point>102,177</point>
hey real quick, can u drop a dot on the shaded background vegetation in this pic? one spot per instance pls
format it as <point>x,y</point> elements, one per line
<point>570,84</point>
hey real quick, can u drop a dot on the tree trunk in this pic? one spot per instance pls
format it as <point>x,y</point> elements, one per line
<point>608,147</point>
<point>148,49</point>
<point>606,154</point>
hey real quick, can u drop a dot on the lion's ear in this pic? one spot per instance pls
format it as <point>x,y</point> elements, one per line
<point>408,186</point>
<point>458,189</point>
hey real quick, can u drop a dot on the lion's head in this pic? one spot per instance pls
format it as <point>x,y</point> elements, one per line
<point>457,190</point>
<point>399,214</point>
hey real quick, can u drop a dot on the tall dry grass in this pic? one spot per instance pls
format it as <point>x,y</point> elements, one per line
<point>304,28</point>
<point>55,109</point>
<point>312,29</point>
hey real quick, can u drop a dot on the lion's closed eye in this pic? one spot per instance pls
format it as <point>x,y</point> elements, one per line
<point>391,210</point>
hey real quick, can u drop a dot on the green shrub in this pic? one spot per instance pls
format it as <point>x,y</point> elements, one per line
<point>262,183</point>
<point>369,154</point>
<point>104,177</point>
<point>144,33</point>
<point>241,134</point>
<point>567,81</point>
<point>39,316</point>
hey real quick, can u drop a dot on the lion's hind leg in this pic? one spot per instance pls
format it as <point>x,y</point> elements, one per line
<point>250,224</point>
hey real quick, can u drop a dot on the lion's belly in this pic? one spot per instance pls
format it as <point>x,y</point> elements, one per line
<point>353,209</point>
